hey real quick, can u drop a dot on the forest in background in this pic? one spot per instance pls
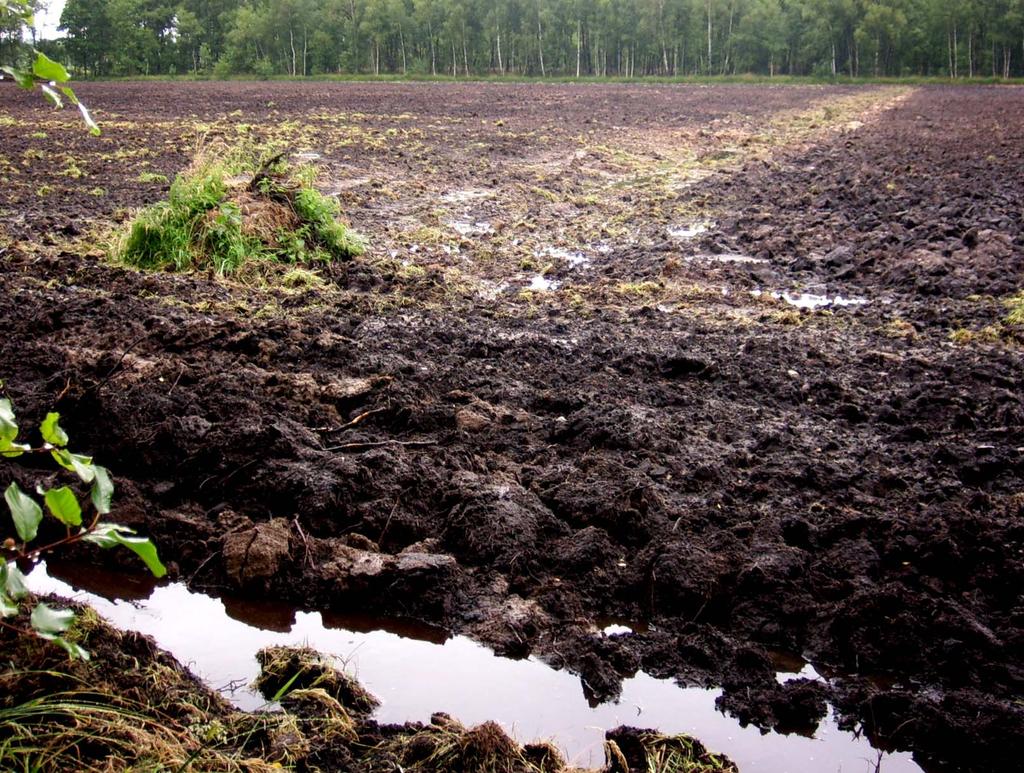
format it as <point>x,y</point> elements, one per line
<point>574,38</point>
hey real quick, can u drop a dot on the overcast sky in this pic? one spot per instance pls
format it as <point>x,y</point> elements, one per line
<point>48,18</point>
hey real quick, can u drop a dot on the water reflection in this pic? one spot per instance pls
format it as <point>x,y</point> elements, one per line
<point>415,670</point>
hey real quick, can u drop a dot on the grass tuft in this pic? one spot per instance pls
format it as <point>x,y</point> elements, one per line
<point>1015,304</point>
<point>231,207</point>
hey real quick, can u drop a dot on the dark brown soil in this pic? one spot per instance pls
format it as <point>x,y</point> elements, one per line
<point>419,436</point>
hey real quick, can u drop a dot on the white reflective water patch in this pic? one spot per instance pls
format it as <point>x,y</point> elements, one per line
<point>690,231</point>
<point>542,284</point>
<point>725,257</point>
<point>574,258</point>
<point>464,228</point>
<point>415,672</point>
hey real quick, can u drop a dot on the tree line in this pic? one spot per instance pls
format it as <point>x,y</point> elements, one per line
<point>575,38</point>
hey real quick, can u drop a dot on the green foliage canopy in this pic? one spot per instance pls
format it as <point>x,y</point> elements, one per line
<point>613,38</point>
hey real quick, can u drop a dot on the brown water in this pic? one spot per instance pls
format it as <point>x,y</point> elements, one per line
<point>415,670</point>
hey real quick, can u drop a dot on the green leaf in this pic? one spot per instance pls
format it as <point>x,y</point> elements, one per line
<point>108,535</point>
<point>63,504</point>
<point>77,463</point>
<point>9,431</point>
<point>22,78</point>
<point>25,512</point>
<point>48,621</point>
<point>47,69</point>
<point>285,688</point>
<point>74,650</point>
<point>12,581</point>
<point>8,423</point>
<point>102,490</point>
<point>7,607</point>
<point>10,450</point>
<point>52,432</point>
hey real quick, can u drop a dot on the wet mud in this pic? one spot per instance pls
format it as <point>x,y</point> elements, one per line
<point>659,439</point>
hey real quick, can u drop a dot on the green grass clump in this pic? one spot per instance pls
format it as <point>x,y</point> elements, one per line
<point>1015,304</point>
<point>231,208</point>
<point>321,216</point>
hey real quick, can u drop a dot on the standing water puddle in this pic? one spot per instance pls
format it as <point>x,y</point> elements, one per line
<point>691,231</point>
<point>574,258</point>
<point>417,670</point>
<point>542,284</point>
<point>727,257</point>
<point>464,228</point>
<point>813,301</point>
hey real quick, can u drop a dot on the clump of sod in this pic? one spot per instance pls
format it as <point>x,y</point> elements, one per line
<point>1015,304</point>
<point>285,670</point>
<point>229,208</point>
<point>446,746</point>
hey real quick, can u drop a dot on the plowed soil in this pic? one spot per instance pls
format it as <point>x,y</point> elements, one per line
<point>561,389</point>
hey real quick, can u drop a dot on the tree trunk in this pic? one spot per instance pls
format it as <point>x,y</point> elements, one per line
<point>455,61</point>
<point>949,50</point>
<point>433,52</point>
<point>728,40</point>
<point>401,40</point>
<point>291,42</point>
<point>579,45</point>
<point>465,53</point>
<point>540,44</point>
<point>305,48</point>
<point>355,31</point>
<point>501,67</point>
<point>956,53</point>
<point>709,36</point>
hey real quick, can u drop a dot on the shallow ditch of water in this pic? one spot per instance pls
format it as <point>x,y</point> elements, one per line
<point>416,670</point>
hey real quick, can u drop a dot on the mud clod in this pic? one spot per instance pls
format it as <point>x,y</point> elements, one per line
<point>285,669</point>
<point>630,750</point>
<point>257,553</point>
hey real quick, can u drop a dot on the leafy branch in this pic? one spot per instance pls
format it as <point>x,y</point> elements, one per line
<point>46,75</point>
<point>85,525</point>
